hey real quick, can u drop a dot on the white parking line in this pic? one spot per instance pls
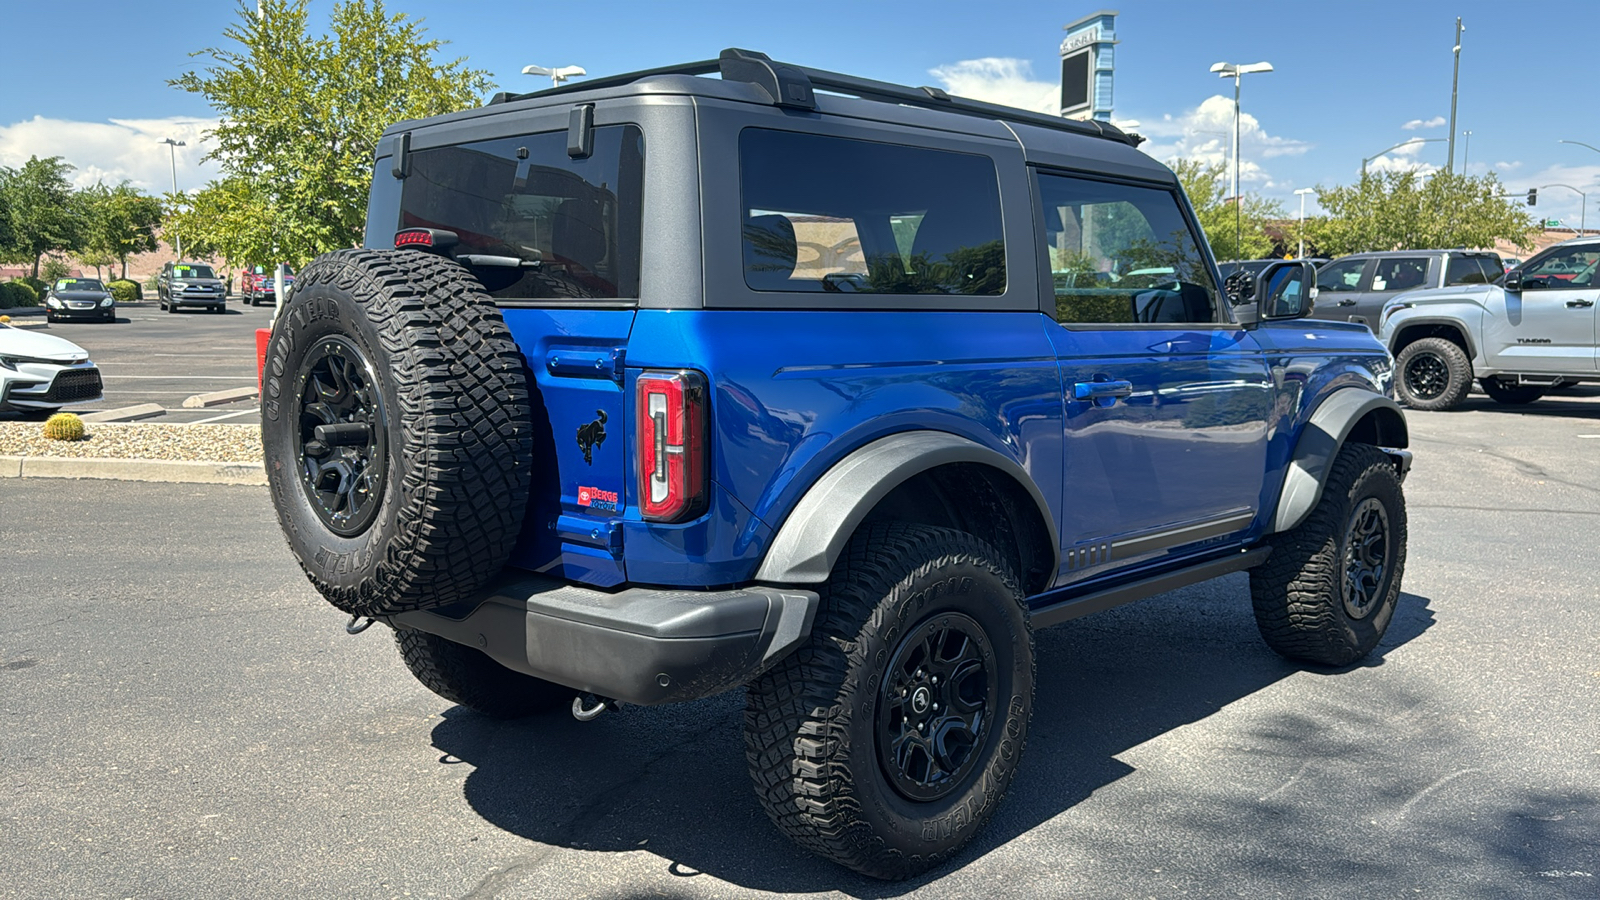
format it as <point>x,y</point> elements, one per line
<point>182,377</point>
<point>232,415</point>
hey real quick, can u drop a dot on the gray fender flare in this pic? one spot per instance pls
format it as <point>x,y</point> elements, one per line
<point>812,537</point>
<point>1320,441</point>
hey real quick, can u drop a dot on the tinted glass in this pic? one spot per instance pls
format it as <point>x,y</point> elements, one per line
<point>1561,267</point>
<point>192,272</point>
<point>1122,254</point>
<point>1471,270</point>
<point>846,216</point>
<point>575,223</point>
<point>1400,273</point>
<point>79,284</point>
<point>1340,275</point>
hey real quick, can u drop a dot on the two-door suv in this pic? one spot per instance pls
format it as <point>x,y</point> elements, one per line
<point>657,386</point>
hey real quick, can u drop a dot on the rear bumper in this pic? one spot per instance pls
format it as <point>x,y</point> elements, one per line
<point>641,645</point>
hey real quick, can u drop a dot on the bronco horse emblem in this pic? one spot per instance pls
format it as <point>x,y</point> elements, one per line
<point>591,435</point>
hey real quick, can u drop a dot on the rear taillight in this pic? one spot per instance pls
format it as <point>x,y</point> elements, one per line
<point>672,445</point>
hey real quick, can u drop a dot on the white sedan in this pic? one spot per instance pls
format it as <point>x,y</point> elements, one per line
<point>40,373</point>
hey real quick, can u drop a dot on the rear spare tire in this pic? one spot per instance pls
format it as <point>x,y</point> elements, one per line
<point>396,431</point>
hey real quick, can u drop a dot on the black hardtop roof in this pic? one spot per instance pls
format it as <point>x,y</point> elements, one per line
<point>751,77</point>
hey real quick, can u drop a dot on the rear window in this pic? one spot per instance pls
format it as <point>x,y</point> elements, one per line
<point>826,214</point>
<point>575,223</point>
<point>1471,270</point>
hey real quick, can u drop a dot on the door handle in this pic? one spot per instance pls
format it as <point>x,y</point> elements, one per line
<point>1579,304</point>
<point>1101,390</point>
<point>1347,303</point>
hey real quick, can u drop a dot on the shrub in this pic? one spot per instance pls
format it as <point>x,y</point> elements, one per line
<point>125,290</point>
<point>53,268</point>
<point>18,293</point>
<point>63,427</point>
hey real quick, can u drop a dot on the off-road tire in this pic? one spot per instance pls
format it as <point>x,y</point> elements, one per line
<point>1511,394</point>
<point>811,723</point>
<point>471,678</point>
<point>1299,592</point>
<point>1432,374</point>
<point>451,447</point>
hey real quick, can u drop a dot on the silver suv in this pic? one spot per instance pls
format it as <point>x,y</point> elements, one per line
<point>1354,288</point>
<point>190,284</point>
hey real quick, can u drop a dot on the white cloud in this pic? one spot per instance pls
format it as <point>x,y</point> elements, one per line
<point>1205,133</point>
<point>115,151</point>
<point>1507,166</point>
<point>1414,124</point>
<point>1000,80</point>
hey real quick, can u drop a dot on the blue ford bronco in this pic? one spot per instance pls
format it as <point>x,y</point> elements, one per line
<point>657,386</point>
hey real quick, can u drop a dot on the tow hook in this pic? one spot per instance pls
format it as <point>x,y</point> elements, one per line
<point>587,707</point>
<point>351,627</point>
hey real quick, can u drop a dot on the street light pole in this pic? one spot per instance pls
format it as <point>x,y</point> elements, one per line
<point>1583,200</point>
<point>1454,80</point>
<point>1395,147</point>
<point>1237,72</point>
<point>1303,192</point>
<point>1466,149</point>
<point>172,151</point>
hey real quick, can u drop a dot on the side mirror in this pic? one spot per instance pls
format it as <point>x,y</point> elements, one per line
<point>1285,290</point>
<point>1513,280</point>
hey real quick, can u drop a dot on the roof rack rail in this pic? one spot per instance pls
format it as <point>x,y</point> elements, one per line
<point>795,86</point>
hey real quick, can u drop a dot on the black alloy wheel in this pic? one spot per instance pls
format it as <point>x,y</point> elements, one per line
<point>1366,558</point>
<point>936,706</point>
<point>1427,376</point>
<point>342,436</point>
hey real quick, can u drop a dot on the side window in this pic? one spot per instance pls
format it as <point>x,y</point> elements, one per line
<point>574,223</point>
<point>1470,270</point>
<point>1340,275</point>
<point>1563,268</point>
<point>1122,254</point>
<point>847,216</point>
<point>1400,273</point>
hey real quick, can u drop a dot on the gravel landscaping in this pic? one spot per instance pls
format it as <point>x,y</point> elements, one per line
<point>208,443</point>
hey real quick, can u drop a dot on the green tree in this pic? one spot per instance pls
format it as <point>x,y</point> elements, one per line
<point>300,120</point>
<point>43,216</point>
<point>1408,211</point>
<point>1208,194</point>
<point>118,222</point>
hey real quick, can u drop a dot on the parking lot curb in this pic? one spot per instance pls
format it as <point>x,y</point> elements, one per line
<point>217,398</point>
<point>179,471</point>
<point>126,413</point>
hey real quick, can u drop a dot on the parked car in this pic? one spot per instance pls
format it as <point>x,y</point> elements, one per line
<point>40,373</point>
<point>190,284</point>
<point>79,298</point>
<point>259,285</point>
<point>1532,332</point>
<point>1354,288</point>
<point>832,431</point>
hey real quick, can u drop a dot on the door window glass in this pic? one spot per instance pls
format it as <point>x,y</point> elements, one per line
<point>1400,273</point>
<point>1122,254</point>
<point>1564,267</point>
<point>1470,270</point>
<point>827,214</point>
<point>1341,275</point>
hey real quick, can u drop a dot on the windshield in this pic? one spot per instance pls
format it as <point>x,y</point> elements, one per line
<point>79,284</point>
<point>192,272</point>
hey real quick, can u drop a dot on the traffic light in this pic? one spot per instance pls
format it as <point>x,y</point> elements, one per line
<point>1533,196</point>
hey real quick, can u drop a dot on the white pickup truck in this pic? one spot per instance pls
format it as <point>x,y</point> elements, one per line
<point>1529,332</point>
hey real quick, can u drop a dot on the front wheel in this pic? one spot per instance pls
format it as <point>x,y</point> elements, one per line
<point>1433,374</point>
<point>1328,591</point>
<point>1511,393</point>
<point>889,738</point>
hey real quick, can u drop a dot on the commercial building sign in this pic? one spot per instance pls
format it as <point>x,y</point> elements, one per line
<point>1087,59</point>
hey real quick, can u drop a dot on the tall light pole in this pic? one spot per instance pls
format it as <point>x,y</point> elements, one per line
<point>1583,200</point>
<point>1466,148</point>
<point>557,75</point>
<point>1303,192</point>
<point>172,151</point>
<point>1454,80</point>
<point>1395,147</point>
<point>1236,72</point>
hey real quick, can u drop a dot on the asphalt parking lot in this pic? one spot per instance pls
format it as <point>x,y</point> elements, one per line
<point>151,356</point>
<point>184,717</point>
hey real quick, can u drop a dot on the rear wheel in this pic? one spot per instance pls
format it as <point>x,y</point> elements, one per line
<point>1433,374</point>
<point>469,677</point>
<point>1510,392</point>
<point>889,738</point>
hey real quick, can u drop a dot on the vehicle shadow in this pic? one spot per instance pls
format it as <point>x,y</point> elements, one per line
<point>672,780</point>
<point>1558,404</point>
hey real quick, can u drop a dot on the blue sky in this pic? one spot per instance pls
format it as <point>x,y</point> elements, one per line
<point>86,79</point>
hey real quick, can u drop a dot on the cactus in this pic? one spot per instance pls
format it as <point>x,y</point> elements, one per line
<point>63,427</point>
